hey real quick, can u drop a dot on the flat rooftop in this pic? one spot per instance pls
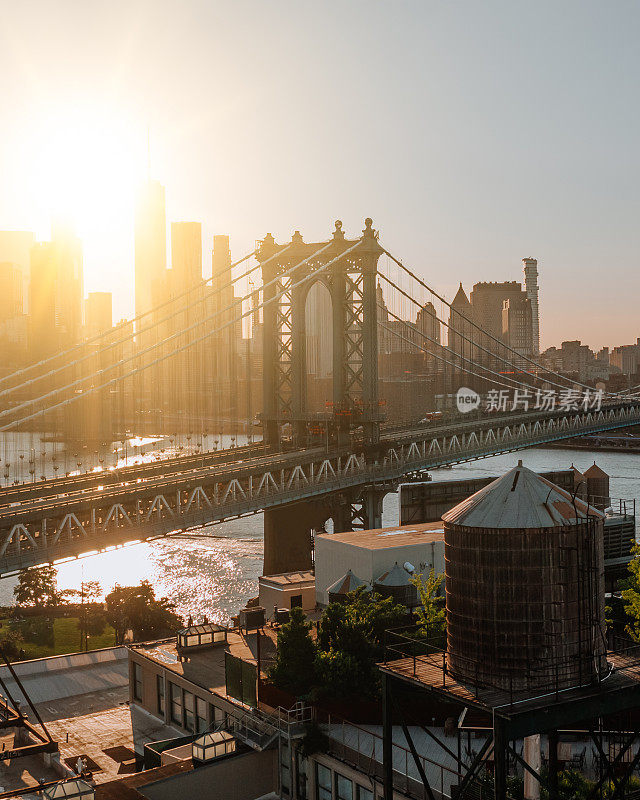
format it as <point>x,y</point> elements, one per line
<point>285,579</point>
<point>382,538</point>
<point>205,668</point>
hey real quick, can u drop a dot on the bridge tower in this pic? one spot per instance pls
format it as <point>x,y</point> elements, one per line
<point>351,282</point>
<point>353,413</point>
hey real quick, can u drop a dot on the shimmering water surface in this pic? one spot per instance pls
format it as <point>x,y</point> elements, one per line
<point>215,571</point>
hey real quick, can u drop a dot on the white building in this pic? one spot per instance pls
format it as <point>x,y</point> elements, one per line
<point>371,553</point>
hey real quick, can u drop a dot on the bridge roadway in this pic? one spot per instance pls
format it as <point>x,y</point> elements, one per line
<point>75,516</point>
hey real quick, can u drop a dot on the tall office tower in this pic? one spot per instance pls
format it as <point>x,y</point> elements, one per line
<point>43,300</point>
<point>13,327</point>
<point>186,254</point>
<point>487,300</point>
<point>516,325</point>
<point>98,313</point>
<point>15,248</point>
<point>221,272</point>
<point>55,293</point>
<point>70,283</point>
<point>224,344</point>
<point>150,246</point>
<point>428,324</point>
<point>11,291</point>
<point>530,269</point>
<point>459,327</point>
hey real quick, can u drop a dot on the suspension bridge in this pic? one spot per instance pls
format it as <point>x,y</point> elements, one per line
<point>328,451</point>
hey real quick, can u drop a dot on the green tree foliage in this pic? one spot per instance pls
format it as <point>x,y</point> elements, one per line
<point>631,595</point>
<point>92,619</point>
<point>37,630</point>
<point>136,608</point>
<point>37,587</point>
<point>294,667</point>
<point>12,644</point>
<point>430,612</point>
<point>341,662</point>
<point>351,643</point>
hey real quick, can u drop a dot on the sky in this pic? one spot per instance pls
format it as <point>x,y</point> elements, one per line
<point>473,133</point>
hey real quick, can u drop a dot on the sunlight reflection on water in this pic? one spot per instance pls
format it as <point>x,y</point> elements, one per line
<point>216,574</point>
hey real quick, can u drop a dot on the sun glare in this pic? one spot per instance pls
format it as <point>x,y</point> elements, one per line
<point>85,168</point>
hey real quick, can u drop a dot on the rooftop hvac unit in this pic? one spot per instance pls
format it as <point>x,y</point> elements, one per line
<point>252,618</point>
<point>281,616</point>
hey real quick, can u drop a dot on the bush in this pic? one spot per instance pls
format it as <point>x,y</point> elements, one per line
<point>37,630</point>
<point>294,667</point>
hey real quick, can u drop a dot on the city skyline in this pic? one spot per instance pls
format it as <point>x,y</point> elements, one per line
<point>494,159</point>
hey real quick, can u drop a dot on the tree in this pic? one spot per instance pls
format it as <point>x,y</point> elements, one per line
<point>136,608</point>
<point>11,644</point>
<point>91,617</point>
<point>294,669</point>
<point>631,595</point>
<point>351,642</point>
<point>430,612</point>
<point>37,587</point>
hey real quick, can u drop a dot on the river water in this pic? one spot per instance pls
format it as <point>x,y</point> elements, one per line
<point>215,571</point>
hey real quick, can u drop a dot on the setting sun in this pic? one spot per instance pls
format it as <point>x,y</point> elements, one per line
<point>85,167</point>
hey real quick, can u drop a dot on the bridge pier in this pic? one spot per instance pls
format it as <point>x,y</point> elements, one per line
<point>287,536</point>
<point>361,511</point>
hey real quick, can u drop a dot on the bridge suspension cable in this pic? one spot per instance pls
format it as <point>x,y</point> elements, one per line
<point>478,346</point>
<point>501,382</point>
<point>125,323</point>
<point>139,354</point>
<point>476,326</point>
<point>133,334</point>
<point>242,315</point>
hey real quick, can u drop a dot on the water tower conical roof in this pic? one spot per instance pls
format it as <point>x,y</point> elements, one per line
<point>347,583</point>
<point>396,576</point>
<point>520,499</point>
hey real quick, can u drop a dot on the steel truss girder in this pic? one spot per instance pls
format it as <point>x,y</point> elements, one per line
<point>353,310</point>
<point>70,528</point>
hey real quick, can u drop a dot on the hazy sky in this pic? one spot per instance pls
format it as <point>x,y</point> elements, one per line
<point>474,133</point>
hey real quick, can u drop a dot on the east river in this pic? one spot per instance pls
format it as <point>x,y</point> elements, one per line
<point>215,570</point>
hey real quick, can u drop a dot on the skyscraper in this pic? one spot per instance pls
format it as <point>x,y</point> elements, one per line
<point>530,269</point>
<point>150,246</point>
<point>98,313</point>
<point>13,328</point>
<point>15,248</point>
<point>186,254</point>
<point>55,293</point>
<point>11,292</point>
<point>487,300</point>
<point>516,325</point>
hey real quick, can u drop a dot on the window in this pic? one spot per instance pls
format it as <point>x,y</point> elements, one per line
<point>323,782</point>
<point>176,703</point>
<point>363,794</point>
<point>202,723</point>
<point>344,788</point>
<point>189,718</point>
<point>160,693</point>
<point>301,776</point>
<point>137,681</point>
<point>296,601</point>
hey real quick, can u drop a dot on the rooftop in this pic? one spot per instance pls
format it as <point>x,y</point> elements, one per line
<point>205,668</point>
<point>382,538</point>
<point>284,579</point>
